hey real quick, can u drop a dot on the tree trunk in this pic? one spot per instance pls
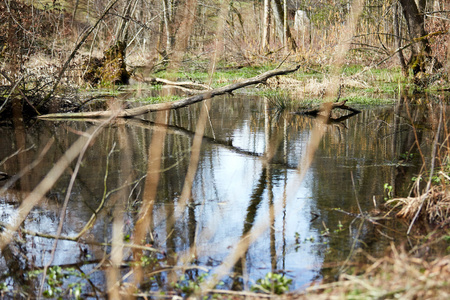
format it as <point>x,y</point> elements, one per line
<point>183,34</point>
<point>277,9</point>
<point>122,29</point>
<point>398,41</point>
<point>421,4</point>
<point>266,25</point>
<point>168,20</point>
<point>285,24</point>
<point>132,112</point>
<point>74,14</point>
<point>420,50</point>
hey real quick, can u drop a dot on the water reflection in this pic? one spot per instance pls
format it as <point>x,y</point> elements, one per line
<point>131,184</point>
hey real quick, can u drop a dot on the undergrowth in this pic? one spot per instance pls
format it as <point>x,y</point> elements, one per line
<point>399,275</point>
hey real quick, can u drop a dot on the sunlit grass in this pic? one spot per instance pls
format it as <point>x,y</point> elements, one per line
<point>368,100</point>
<point>382,84</point>
<point>398,275</point>
<point>223,74</point>
<point>157,99</point>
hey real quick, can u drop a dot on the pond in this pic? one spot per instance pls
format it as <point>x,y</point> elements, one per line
<point>271,192</point>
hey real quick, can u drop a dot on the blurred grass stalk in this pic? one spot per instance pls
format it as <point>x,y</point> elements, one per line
<point>145,219</point>
<point>48,182</point>
<point>119,199</point>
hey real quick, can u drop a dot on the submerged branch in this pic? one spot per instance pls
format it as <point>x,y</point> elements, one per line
<point>132,112</point>
<point>81,240</point>
<point>327,107</point>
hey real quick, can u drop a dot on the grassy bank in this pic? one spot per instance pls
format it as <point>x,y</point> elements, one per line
<point>357,84</point>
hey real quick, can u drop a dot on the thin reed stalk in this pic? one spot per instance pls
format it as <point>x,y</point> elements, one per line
<point>47,183</point>
<point>117,242</point>
<point>62,216</point>
<point>144,222</point>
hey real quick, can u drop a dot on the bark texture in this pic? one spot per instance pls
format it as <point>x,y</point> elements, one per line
<point>421,56</point>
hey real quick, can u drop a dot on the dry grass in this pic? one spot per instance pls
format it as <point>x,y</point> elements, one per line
<point>313,86</point>
<point>436,203</point>
<point>398,276</point>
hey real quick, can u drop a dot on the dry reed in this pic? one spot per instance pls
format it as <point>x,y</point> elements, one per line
<point>397,276</point>
<point>436,203</point>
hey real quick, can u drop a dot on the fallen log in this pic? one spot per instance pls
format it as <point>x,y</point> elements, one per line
<point>324,112</point>
<point>132,112</point>
<point>326,108</point>
<point>182,84</point>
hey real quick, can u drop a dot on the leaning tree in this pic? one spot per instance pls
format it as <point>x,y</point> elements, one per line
<point>422,59</point>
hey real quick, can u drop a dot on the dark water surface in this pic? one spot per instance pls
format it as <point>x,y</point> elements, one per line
<point>311,228</point>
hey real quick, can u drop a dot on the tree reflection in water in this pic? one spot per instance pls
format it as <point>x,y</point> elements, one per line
<point>260,198</point>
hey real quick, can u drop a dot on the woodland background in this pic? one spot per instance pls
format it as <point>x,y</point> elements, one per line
<point>90,42</point>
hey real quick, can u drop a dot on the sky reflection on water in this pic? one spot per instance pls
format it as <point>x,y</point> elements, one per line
<point>233,189</point>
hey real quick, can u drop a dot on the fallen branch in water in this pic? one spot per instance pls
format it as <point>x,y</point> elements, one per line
<point>132,112</point>
<point>328,107</point>
<point>324,115</point>
<point>82,241</point>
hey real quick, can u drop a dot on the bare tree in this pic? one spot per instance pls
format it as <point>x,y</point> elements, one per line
<point>168,15</point>
<point>266,25</point>
<point>282,27</point>
<point>421,56</point>
<point>398,40</point>
<point>183,34</point>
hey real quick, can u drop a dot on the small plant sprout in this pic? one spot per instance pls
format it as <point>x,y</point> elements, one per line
<point>297,238</point>
<point>407,156</point>
<point>416,179</point>
<point>189,287</point>
<point>340,228</point>
<point>389,190</point>
<point>436,179</point>
<point>273,283</point>
<point>310,239</point>
<point>326,231</point>
<point>3,287</point>
<point>148,260</point>
<point>127,238</point>
<point>76,289</point>
<point>57,278</point>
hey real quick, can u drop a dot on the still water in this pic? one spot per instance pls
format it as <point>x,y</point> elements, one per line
<point>305,210</point>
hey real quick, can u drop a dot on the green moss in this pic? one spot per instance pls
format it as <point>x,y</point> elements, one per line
<point>110,70</point>
<point>114,70</point>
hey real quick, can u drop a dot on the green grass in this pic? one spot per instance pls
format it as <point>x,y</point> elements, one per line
<point>368,100</point>
<point>351,100</point>
<point>157,99</point>
<point>223,75</point>
<point>382,85</point>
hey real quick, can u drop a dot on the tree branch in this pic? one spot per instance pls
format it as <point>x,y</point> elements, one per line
<point>327,107</point>
<point>132,112</point>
